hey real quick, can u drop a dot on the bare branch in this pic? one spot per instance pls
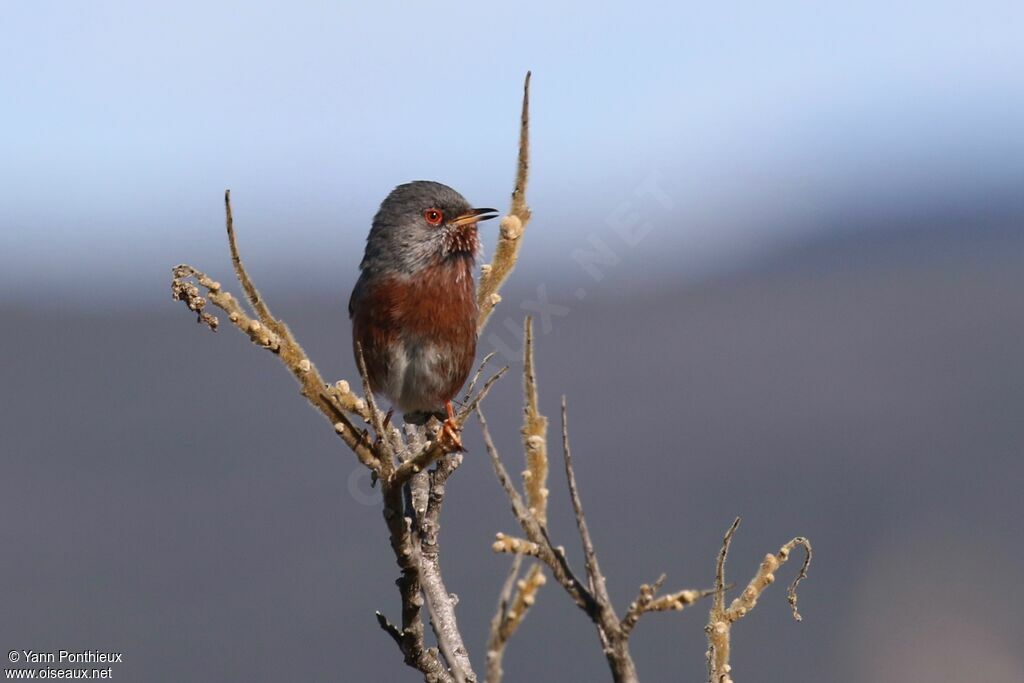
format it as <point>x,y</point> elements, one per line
<point>766,575</point>
<point>334,401</point>
<point>639,606</point>
<point>387,464</point>
<point>647,601</point>
<point>516,546</point>
<point>413,494</point>
<point>427,491</point>
<point>551,556</point>
<point>437,448</point>
<point>535,429</point>
<point>258,305</point>
<point>442,617</point>
<point>477,374</point>
<point>497,641</point>
<point>341,394</point>
<point>184,288</point>
<point>723,554</point>
<point>493,275</point>
<point>407,554</point>
<point>511,613</point>
<point>525,597</point>
<point>468,409</point>
<point>721,619</point>
<point>718,624</point>
<point>801,575</point>
<point>594,575</point>
<point>389,628</point>
<point>678,600</point>
<point>423,458</point>
<point>413,525</point>
<point>614,640</point>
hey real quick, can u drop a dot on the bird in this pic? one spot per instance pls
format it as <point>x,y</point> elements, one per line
<point>413,308</point>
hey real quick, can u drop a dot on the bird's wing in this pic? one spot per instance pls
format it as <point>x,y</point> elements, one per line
<point>357,292</point>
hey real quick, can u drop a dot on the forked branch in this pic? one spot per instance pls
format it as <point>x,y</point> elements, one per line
<point>590,595</point>
<point>413,471</point>
<point>400,464</point>
<point>721,619</point>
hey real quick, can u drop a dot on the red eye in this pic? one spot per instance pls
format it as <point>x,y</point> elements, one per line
<point>433,216</point>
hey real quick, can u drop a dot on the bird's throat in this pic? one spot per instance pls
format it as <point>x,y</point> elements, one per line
<point>462,240</point>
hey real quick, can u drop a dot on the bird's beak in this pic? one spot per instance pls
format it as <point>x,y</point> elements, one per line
<point>474,215</point>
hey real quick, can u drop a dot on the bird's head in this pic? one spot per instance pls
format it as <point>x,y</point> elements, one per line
<point>421,223</point>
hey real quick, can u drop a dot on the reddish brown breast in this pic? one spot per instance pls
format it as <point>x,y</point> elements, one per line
<point>435,307</point>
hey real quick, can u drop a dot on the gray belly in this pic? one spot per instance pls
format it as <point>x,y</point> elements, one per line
<point>418,374</point>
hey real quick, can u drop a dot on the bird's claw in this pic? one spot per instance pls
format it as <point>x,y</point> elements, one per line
<point>450,430</point>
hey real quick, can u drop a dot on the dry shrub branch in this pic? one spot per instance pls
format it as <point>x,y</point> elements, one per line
<point>414,466</point>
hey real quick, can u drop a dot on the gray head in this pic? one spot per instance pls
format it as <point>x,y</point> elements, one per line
<point>419,224</point>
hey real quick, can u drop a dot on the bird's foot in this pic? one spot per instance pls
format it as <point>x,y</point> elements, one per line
<point>450,430</point>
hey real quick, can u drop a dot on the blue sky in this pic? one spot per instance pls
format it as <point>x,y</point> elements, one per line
<point>123,122</point>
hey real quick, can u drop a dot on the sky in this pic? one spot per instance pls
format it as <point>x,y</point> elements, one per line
<point>124,122</point>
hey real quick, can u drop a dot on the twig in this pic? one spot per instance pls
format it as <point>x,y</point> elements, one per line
<point>258,305</point>
<point>609,627</point>
<point>185,287</point>
<point>389,628</point>
<point>551,556</point>
<point>511,613</point>
<point>720,620</point>
<point>594,575</point>
<point>516,546</point>
<point>493,275</point>
<point>477,374</point>
<point>535,429</point>
<point>387,464</point>
<point>497,640</point>
<point>341,394</point>
<point>613,642</point>
<point>526,593</point>
<point>639,606</point>
<point>420,460</point>
<point>723,555</point>
<point>647,601</point>
<point>765,576</point>
<point>468,409</point>
<point>801,575</point>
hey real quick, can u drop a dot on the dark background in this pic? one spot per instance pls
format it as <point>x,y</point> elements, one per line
<point>168,494</point>
<point>820,328</point>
